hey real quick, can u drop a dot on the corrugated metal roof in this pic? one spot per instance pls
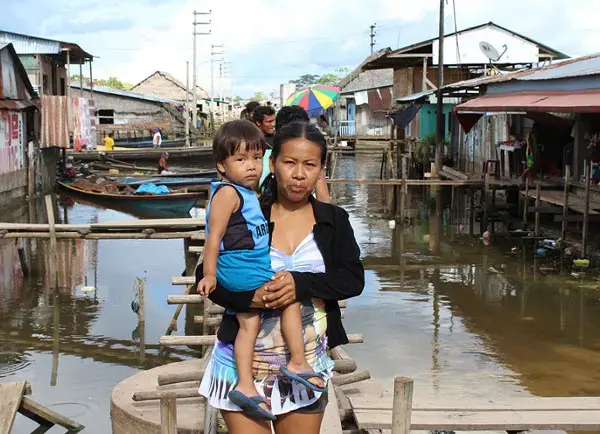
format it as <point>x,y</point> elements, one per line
<point>26,44</point>
<point>30,45</point>
<point>14,104</point>
<point>125,94</point>
<point>415,96</point>
<point>579,68</point>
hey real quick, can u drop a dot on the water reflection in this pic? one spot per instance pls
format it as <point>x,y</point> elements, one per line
<point>459,317</point>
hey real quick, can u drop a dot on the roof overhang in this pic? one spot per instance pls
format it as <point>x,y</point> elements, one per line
<point>587,101</point>
<point>16,104</point>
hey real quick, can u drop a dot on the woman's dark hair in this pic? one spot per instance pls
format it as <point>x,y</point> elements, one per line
<point>289,114</point>
<point>291,131</point>
<point>232,134</point>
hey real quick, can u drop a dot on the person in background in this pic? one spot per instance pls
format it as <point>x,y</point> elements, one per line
<point>250,108</point>
<point>323,124</point>
<point>264,118</point>
<point>244,114</point>
<point>284,117</point>
<point>109,142</point>
<point>156,139</point>
<point>162,163</point>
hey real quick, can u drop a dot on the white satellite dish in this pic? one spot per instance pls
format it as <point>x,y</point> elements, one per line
<point>490,52</point>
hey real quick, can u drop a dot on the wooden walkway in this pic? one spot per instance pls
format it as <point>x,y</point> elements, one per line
<point>13,400</point>
<point>555,197</point>
<point>400,415</point>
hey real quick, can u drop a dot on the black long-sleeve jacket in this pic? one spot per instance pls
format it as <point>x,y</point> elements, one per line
<point>344,277</point>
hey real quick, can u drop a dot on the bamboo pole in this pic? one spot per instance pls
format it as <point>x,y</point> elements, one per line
<point>526,199</point>
<point>53,245</point>
<point>180,377</point>
<point>537,209</point>
<point>563,231</point>
<point>101,236</point>
<point>402,407</point>
<point>355,377</point>
<point>586,211</point>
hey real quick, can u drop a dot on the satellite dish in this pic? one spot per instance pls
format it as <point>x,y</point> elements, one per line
<point>490,52</point>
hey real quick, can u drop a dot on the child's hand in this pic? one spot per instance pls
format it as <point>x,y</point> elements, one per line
<point>207,285</point>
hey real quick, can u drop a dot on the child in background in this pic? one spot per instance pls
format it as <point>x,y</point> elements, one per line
<point>236,255</point>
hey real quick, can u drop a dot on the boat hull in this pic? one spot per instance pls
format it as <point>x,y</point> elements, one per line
<point>175,205</point>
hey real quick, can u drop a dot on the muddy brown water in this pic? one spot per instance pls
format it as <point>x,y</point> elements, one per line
<point>461,319</point>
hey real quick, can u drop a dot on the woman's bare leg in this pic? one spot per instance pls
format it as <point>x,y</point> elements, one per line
<point>291,326</point>
<point>243,350</point>
<point>298,423</point>
<point>238,423</point>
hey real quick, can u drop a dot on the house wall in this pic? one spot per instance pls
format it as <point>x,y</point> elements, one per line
<point>481,142</point>
<point>518,50</point>
<point>158,85</point>
<point>13,171</point>
<point>135,112</point>
<point>408,81</point>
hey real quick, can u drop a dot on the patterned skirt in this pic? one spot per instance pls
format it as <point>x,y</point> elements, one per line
<point>270,352</point>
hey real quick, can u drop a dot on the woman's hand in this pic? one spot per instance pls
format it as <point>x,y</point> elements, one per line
<point>280,291</point>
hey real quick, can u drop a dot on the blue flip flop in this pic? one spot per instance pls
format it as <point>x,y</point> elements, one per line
<point>303,378</point>
<point>250,405</point>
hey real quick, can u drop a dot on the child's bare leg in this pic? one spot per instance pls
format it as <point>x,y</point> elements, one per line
<point>243,350</point>
<point>291,326</point>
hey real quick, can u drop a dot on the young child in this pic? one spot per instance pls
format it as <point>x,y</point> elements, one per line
<point>236,255</point>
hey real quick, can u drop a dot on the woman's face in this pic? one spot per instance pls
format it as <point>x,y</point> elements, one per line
<point>297,169</point>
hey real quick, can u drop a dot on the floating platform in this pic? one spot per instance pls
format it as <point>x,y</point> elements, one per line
<point>202,152</point>
<point>143,417</point>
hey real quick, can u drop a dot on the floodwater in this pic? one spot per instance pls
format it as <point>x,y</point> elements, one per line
<point>462,319</point>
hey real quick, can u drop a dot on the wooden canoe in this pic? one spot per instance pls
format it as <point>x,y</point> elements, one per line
<point>142,205</point>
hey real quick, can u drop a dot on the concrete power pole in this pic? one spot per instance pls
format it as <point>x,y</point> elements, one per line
<point>195,66</point>
<point>213,53</point>
<point>440,124</point>
<point>372,44</point>
<point>187,103</point>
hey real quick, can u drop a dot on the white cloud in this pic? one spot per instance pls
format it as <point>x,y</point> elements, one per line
<point>269,42</point>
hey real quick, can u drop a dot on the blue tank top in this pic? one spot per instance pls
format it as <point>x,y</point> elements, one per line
<point>244,263</point>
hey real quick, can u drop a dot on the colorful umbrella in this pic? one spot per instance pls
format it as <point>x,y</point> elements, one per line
<point>314,98</point>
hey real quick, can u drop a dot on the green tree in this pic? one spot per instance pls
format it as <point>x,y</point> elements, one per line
<point>237,98</point>
<point>334,78</point>
<point>111,82</point>
<point>258,96</point>
<point>305,80</point>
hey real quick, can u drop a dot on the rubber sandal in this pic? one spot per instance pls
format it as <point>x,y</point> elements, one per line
<point>250,405</point>
<point>303,378</point>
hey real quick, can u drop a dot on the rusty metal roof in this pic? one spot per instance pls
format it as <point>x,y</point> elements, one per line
<point>26,44</point>
<point>15,104</point>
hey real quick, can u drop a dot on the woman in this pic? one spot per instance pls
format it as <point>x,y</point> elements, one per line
<point>318,263</point>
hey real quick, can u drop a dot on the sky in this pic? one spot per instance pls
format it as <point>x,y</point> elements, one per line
<point>268,42</point>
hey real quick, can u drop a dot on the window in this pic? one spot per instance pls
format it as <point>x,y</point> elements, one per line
<point>106,117</point>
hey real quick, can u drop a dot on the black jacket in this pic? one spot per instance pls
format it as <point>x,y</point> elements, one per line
<point>344,277</point>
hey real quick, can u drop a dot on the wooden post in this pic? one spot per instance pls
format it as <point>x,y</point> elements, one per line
<point>537,209</point>
<point>563,231</point>
<point>586,211</point>
<point>23,261</point>
<point>168,416</point>
<point>404,175</point>
<point>81,79</point>
<point>401,411</point>
<point>52,246</point>
<point>471,211</point>
<point>484,226</point>
<point>382,170</point>
<point>525,210</point>
<point>55,338</point>
<point>142,317</point>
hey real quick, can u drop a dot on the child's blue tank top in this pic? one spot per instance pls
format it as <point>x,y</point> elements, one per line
<point>244,263</point>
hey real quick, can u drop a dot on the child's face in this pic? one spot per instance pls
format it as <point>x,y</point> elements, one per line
<point>243,168</point>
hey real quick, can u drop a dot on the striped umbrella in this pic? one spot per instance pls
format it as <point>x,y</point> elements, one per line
<point>314,98</point>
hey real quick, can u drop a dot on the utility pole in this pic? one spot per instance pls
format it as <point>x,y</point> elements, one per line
<point>440,124</point>
<point>187,103</point>
<point>195,65</point>
<point>372,37</point>
<point>213,53</point>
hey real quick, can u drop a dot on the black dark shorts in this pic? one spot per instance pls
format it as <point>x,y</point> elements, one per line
<point>316,407</point>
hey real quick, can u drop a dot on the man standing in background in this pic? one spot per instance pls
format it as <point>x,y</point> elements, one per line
<point>157,139</point>
<point>264,118</point>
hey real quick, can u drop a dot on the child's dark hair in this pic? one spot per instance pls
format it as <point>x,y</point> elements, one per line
<point>291,131</point>
<point>232,134</point>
